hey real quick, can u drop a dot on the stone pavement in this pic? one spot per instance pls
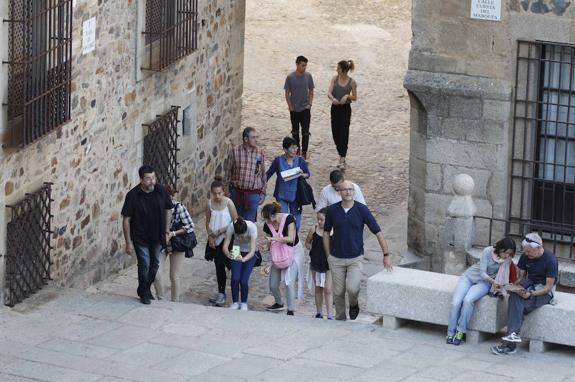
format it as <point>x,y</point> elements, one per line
<point>68,335</point>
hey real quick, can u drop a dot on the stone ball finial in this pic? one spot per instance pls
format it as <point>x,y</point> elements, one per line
<point>463,185</point>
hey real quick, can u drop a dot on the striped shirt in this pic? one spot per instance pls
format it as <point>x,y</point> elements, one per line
<point>245,169</point>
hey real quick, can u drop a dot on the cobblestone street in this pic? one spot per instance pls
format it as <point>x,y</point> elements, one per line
<point>376,35</point>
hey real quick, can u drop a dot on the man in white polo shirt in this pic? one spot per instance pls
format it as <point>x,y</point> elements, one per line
<point>330,195</point>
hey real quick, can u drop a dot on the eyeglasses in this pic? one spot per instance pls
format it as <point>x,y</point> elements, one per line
<point>345,189</point>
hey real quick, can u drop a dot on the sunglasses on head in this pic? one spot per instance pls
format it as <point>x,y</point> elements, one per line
<point>530,241</point>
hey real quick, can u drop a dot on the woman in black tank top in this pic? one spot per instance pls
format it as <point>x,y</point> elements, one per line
<point>342,91</point>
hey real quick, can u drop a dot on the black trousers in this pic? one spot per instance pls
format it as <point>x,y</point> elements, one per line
<point>302,118</point>
<point>340,120</point>
<point>221,262</point>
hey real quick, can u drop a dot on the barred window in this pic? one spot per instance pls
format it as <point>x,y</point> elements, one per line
<point>161,147</point>
<point>171,32</point>
<point>543,160</point>
<point>39,74</point>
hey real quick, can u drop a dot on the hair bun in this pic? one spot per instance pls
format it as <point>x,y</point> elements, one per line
<point>218,178</point>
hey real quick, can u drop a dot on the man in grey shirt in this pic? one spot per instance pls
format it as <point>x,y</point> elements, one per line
<point>299,97</point>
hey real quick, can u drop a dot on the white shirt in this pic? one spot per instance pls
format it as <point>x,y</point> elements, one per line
<point>244,241</point>
<point>330,196</point>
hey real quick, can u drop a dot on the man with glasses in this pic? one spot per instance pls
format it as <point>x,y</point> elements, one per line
<point>538,271</point>
<point>345,248</point>
<point>245,175</point>
<point>330,195</point>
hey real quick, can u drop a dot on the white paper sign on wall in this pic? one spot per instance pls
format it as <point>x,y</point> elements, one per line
<point>486,10</point>
<point>89,35</point>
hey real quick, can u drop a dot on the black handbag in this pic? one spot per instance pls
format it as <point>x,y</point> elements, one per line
<point>184,243</point>
<point>210,253</point>
<point>304,194</point>
<point>258,256</point>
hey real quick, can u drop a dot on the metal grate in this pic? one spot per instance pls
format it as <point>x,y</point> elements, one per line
<point>171,31</point>
<point>39,75</point>
<point>560,238</point>
<point>161,147</point>
<point>28,246</point>
<point>542,189</point>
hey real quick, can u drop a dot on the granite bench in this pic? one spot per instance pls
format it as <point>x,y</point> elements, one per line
<point>410,294</point>
<point>553,324</point>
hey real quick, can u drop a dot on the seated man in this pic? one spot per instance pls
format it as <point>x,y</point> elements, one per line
<point>538,272</point>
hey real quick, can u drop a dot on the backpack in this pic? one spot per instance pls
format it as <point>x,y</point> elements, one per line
<point>282,254</point>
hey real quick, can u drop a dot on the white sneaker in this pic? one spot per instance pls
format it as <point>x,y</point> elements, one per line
<point>513,337</point>
<point>235,306</point>
<point>244,306</point>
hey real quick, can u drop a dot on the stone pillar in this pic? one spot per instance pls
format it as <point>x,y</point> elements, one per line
<point>458,235</point>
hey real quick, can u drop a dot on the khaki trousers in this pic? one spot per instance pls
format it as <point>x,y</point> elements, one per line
<point>176,261</point>
<point>346,276</point>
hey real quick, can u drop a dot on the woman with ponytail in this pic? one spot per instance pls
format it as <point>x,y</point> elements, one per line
<point>280,228</point>
<point>342,92</point>
<point>220,213</point>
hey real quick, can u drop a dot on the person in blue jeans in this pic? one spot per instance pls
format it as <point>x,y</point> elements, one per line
<point>146,217</point>
<point>285,191</point>
<point>243,259</point>
<point>475,283</point>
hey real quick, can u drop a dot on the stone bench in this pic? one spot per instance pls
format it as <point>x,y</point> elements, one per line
<point>410,294</point>
<point>551,324</point>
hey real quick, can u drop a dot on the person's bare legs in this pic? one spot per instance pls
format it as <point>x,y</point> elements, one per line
<point>318,294</point>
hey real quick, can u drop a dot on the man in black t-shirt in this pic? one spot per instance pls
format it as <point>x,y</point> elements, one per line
<point>146,213</point>
<point>538,271</point>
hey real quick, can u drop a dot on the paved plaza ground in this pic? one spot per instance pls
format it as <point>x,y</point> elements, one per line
<point>70,335</point>
<point>105,334</point>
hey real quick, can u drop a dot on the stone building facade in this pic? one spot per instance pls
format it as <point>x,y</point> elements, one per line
<point>92,160</point>
<point>493,98</point>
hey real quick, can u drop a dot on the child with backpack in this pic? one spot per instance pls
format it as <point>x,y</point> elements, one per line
<point>319,267</point>
<point>285,247</point>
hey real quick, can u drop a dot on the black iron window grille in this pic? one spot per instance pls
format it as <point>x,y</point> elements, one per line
<point>39,74</point>
<point>171,32</point>
<point>28,246</point>
<point>161,147</point>
<point>542,189</point>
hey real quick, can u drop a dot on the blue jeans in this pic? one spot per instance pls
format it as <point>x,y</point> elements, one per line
<point>148,263</point>
<point>293,209</point>
<point>241,277</point>
<point>465,295</point>
<point>250,211</point>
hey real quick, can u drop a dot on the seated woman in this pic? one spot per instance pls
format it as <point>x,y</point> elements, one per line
<point>489,274</point>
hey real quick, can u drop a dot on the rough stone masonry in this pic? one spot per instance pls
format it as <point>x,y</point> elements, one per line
<point>93,159</point>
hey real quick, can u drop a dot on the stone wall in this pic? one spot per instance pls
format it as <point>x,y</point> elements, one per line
<point>93,159</point>
<point>461,78</point>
